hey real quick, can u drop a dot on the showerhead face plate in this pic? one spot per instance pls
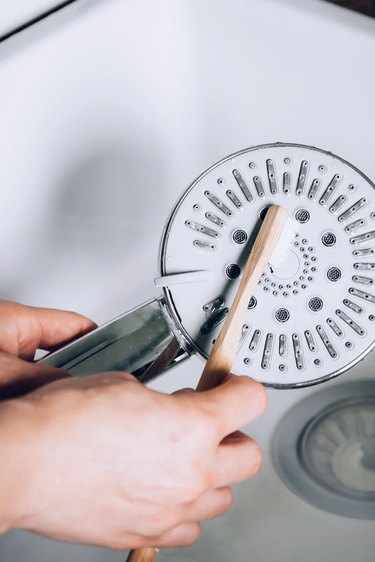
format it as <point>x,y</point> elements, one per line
<point>309,319</point>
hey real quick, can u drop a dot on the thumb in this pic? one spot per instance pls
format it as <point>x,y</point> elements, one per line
<point>237,401</point>
<point>23,329</point>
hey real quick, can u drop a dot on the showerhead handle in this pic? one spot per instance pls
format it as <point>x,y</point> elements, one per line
<point>141,341</point>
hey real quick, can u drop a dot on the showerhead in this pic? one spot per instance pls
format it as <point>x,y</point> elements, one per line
<point>311,316</point>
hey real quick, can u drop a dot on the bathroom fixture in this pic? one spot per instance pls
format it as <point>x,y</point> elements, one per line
<point>308,321</point>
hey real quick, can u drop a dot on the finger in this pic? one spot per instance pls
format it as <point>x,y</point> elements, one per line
<point>18,377</point>
<point>25,329</point>
<point>238,458</point>
<point>57,327</point>
<point>183,535</point>
<point>184,391</point>
<point>209,505</point>
<point>236,402</point>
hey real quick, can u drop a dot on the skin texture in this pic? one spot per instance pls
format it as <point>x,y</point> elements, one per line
<point>104,460</point>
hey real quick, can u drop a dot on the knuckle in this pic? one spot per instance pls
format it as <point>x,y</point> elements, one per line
<point>183,535</point>
<point>121,543</point>
<point>227,499</point>
<point>209,420</point>
<point>206,481</point>
<point>222,503</point>
<point>184,391</point>
<point>191,534</point>
<point>256,460</point>
<point>120,375</point>
<point>260,396</point>
<point>159,526</point>
<point>206,416</point>
<point>198,483</point>
<point>154,529</point>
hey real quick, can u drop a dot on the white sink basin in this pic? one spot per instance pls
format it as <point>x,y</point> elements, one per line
<point>106,117</point>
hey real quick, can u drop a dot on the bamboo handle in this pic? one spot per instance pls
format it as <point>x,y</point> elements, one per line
<point>143,555</point>
<point>219,363</point>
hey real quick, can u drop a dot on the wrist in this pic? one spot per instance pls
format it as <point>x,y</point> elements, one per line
<point>16,461</point>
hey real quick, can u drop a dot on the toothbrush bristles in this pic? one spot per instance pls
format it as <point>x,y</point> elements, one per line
<point>280,254</point>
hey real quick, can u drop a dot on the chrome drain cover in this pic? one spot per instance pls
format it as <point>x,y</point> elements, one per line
<point>324,287</point>
<point>324,449</point>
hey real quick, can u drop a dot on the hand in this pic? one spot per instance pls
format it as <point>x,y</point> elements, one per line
<point>23,329</point>
<point>104,460</point>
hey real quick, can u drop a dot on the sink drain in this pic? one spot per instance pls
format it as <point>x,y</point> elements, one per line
<point>324,449</point>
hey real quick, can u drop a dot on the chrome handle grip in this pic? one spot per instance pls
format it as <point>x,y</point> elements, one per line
<point>139,341</point>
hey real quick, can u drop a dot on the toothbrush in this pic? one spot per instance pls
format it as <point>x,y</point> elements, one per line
<point>271,246</point>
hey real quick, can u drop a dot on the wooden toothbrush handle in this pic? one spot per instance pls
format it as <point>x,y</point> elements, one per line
<point>220,361</point>
<point>219,364</point>
<point>143,555</point>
